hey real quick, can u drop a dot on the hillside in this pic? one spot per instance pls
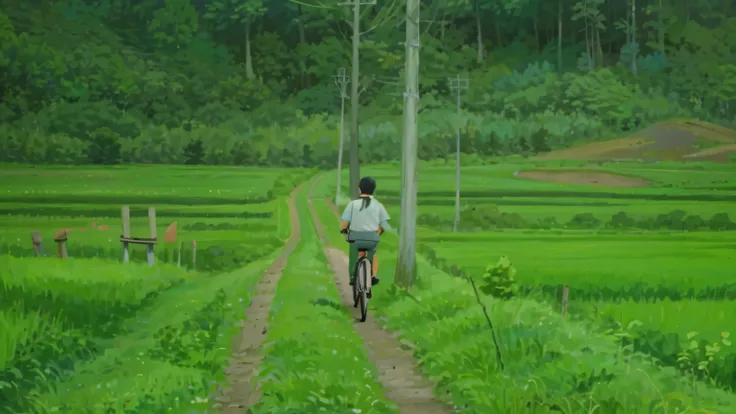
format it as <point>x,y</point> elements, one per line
<point>180,81</point>
<point>675,141</point>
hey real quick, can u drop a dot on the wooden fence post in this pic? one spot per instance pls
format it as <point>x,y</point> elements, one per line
<point>126,233</point>
<point>565,294</point>
<point>194,254</point>
<point>60,238</point>
<point>38,244</point>
<point>152,227</point>
<point>178,257</point>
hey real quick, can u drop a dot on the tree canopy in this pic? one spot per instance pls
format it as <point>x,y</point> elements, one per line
<point>251,81</point>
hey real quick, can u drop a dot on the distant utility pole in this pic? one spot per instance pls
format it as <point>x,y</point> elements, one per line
<point>457,84</point>
<point>354,94</point>
<point>341,80</point>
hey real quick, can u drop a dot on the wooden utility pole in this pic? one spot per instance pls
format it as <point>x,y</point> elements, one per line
<point>406,264</point>
<point>341,80</point>
<point>457,84</point>
<point>354,95</point>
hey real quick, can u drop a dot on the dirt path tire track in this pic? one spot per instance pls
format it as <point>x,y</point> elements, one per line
<point>412,393</point>
<point>242,393</point>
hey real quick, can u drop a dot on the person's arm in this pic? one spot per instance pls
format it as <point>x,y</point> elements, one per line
<point>346,218</point>
<point>383,219</point>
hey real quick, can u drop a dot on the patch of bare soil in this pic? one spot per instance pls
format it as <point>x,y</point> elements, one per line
<point>585,178</point>
<point>411,392</point>
<point>243,393</point>
<point>595,150</point>
<point>710,132</point>
<point>718,154</point>
<point>663,141</point>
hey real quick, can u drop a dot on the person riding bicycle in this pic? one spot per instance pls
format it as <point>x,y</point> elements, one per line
<point>363,221</point>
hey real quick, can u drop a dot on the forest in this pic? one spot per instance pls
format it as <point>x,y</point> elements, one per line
<point>252,82</point>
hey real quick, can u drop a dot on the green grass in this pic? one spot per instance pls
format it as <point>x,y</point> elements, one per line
<point>499,181</point>
<point>314,360</point>
<point>664,329</point>
<point>549,362</point>
<point>608,274</point>
<point>149,183</point>
<point>90,334</point>
<point>603,267</point>
<point>171,356</point>
<point>105,290</point>
<point>56,313</point>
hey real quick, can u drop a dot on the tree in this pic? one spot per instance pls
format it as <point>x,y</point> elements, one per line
<point>175,24</point>
<point>243,12</point>
<point>103,147</point>
<point>406,263</point>
<point>540,141</point>
<point>588,11</point>
<point>194,152</point>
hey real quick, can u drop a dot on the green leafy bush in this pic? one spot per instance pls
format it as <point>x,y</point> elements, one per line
<point>499,280</point>
<point>583,221</point>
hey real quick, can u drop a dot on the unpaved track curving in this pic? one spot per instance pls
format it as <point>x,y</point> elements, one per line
<point>242,392</point>
<point>396,367</point>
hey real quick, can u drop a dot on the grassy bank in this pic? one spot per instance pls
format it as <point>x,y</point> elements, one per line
<point>315,362</point>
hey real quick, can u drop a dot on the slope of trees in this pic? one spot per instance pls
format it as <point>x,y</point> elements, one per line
<point>250,81</point>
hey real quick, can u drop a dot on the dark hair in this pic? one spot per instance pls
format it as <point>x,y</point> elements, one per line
<point>367,185</point>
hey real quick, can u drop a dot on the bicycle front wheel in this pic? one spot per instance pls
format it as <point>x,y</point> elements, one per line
<point>356,290</point>
<point>362,281</point>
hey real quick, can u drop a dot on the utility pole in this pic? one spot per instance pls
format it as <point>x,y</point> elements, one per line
<point>457,84</point>
<point>341,80</point>
<point>406,263</point>
<point>354,95</point>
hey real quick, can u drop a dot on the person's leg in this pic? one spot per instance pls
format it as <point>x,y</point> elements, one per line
<point>375,263</point>
<point>372,246</point>
<point>352,258</point>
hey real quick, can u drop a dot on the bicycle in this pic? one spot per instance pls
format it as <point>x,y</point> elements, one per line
<point>362,281</point>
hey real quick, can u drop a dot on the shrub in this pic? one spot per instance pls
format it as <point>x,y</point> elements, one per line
<point>621,220</point>
<point>104,147</point>
<point>194,152</point>
<point>499,280</point>
<point>721,221</point>
<point>583,221</point>
<point>674,220</point>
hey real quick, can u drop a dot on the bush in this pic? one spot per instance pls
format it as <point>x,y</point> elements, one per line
<point>104,147</point>
<point>194,152</point>
<point>489,217</point>
<point>499,280</point>
<point>583,221</point>
<point>621,220</point>
<point>721,221</point>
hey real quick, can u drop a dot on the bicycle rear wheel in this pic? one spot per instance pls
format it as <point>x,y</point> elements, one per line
<point>362,282</point>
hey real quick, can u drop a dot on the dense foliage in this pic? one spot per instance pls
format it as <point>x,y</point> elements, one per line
<point>250,82</point>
